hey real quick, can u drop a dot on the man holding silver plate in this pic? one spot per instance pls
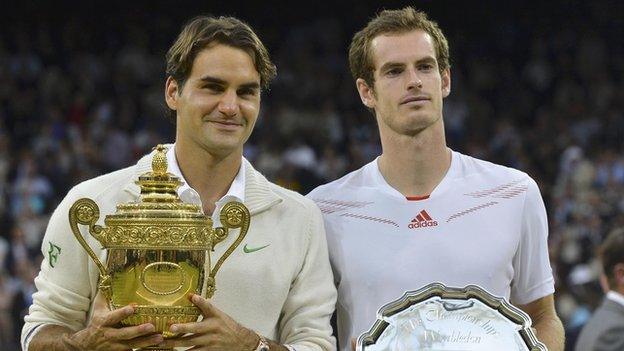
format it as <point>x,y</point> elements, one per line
<point>274,288</point>
<point>422,213</point>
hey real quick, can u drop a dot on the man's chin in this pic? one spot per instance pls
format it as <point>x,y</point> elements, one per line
<point>223,148</point>
<point>423,119</point>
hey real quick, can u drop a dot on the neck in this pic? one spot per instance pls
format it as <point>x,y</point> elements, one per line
<point>414,165</point>
<point>210,175</point>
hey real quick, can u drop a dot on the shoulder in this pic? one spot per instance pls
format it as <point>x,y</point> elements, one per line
<point>348,183</point>
<point>292,199</point>
<point>105,184</point>
<point>608,315</point>
<point>603,331</point>
<point>472,166</point>
<point>613,311</point>
<point>299,214</point>
<point>497,179</point>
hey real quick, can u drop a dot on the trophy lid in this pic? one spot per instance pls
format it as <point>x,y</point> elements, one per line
<point>159,218</point>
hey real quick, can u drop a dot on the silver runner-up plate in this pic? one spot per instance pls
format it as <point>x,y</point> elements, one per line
<point>441,318</point>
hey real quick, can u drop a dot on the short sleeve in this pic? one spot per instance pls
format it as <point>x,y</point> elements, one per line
<point>533,277</point>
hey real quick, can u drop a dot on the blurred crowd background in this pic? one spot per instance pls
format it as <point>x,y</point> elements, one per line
<point>538,86</point>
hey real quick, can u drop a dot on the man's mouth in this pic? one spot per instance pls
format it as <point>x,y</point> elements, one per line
<point>414,99</point>
<point>225,124</point>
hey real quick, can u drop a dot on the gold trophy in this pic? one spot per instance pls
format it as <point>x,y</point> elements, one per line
<point>158,249</point>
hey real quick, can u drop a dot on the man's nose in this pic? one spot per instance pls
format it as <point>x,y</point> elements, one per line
<point>228,105</point>
<point>413,79</point>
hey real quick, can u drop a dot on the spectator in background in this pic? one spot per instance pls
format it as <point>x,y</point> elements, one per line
<point>605,329</point>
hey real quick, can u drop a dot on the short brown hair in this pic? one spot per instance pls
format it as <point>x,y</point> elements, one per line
<point>204,30</point>
<point>611,253</point>
<point>393,21</point>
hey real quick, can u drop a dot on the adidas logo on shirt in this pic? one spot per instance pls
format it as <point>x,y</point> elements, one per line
<point>422,219</point>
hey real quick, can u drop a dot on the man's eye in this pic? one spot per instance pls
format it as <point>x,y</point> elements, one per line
<point>214,87</point>
<point>426,67</point>
<point>394,71</point>
<point>247,92</point>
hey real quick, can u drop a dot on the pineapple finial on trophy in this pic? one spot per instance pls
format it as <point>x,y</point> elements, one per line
<point>159,161</point>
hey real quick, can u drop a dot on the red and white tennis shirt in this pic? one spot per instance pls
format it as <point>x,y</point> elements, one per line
<point>484,224</point>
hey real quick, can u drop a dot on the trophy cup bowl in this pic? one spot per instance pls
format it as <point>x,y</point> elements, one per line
<point>158,249</point>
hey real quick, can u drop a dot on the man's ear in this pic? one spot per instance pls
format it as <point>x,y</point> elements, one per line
<point>446,82</point>
<point>366,93</point>
<point>171,93</point>
<point>618,274</point>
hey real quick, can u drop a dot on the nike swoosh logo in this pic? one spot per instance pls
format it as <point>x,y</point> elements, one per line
<point>253,249</point>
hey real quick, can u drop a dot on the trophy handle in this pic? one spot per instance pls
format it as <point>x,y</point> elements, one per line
<point>86,212</point>
<point>233,215</point>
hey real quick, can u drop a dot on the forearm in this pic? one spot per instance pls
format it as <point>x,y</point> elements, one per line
<point>51,338</point>
<point>546,323</point>
<point>550,332</point>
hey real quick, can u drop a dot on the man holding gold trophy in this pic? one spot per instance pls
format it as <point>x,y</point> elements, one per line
<point>189,221</point>
<point>421,213</point>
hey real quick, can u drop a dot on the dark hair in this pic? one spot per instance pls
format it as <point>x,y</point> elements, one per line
<point>204,30</point>
<point>611,253</point>
<point>393,21</point>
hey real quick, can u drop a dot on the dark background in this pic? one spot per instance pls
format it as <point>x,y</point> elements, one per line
<point>535,85</point>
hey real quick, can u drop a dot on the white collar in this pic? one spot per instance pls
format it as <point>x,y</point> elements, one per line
<point>615,297</point>
<point>236,192</point>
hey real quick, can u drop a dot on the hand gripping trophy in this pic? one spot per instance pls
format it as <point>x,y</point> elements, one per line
<point>158,249</point>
